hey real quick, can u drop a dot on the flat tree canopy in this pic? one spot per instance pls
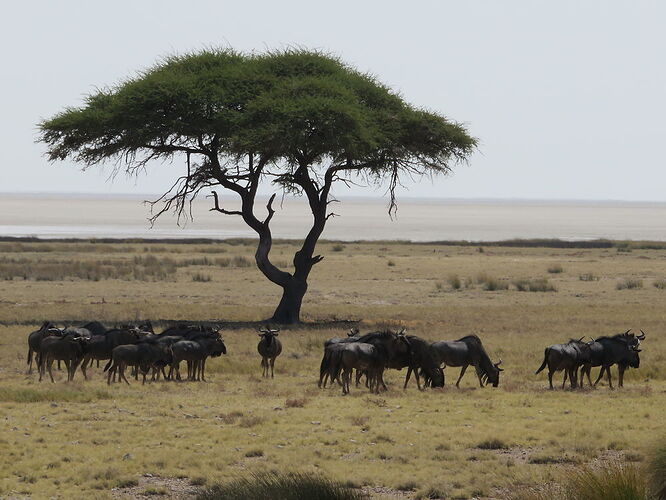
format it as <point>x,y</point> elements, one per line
<point>299,119</point>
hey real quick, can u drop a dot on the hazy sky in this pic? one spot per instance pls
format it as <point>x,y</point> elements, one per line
<point>566,98</point>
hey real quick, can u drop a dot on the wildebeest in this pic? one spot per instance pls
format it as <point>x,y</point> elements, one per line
<point>35,341</point>
<point>362,357</point>
<point>100,346</point>
<point>68,348</point>
<point>468,351</point>
<point>195,353</point>
<point>352,336</point>
<point>568,357</point>
<point>269,348</point>
<point>621,349</point>
<point>142,356</point>
<point>422,359</point>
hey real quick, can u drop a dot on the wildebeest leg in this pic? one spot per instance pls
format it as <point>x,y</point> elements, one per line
<point>29,360</point>
<point>620,375</point>
<point>359,374</point>
<point>601,374</point>
<point>49,365</point>
<point>263,366</point>
<point>588,369</point>
<point>409,374</point>
<point>610,381</point>
<point>462,372</point>
<point>418,379</point>
<point>121,373</point>
<point>203,369</point>
<point>84,365</point>
<point>550,378</point>
<point>59,365</point>
<point>98,363</point>
<point>273,366</point>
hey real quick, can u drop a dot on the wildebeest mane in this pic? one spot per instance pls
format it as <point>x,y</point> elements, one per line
<point>479,353</point>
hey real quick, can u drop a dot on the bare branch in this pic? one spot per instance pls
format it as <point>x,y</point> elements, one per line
<point>217,208</point>
<point>269,207</point>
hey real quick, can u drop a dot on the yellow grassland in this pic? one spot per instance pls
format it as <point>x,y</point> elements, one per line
<point>84,439</point>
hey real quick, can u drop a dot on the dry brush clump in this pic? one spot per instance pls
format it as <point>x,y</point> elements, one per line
<point>629,284</point>
<point>296,486</point>
<point>534,285</point>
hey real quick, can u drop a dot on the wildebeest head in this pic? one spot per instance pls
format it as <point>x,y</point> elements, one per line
<point>353,332</point>
<point>268,334</point>
<point>218,348</point>
<point>492,374</point>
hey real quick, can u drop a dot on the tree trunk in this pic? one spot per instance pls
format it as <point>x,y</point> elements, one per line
<point>288,311</point>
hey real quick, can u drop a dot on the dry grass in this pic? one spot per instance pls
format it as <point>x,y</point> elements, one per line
<point>84,438</point>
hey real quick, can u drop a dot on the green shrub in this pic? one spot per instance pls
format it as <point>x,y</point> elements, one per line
<point>283,486</point>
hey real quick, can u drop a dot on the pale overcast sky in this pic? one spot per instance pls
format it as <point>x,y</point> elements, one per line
<point>566,98</point>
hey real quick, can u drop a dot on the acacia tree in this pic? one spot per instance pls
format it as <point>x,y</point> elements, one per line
<point>298,119</point>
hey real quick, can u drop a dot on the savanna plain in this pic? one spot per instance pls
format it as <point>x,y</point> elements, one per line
<point>88,439</point>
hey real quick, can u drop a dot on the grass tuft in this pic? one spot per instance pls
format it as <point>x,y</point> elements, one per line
<point>588,277</point>
<point>534,285</point>
<point>56,394</point>
<point>656,473</point>
<point>492,444</point>
<point>295,486</point>
<point>612,482</point>
<point>629,284</point>
<point>555,269</point>
<point>660,284</point>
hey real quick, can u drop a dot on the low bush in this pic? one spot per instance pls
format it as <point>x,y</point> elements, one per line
<point>454,281</point>
<point>629,284</point>
<point>661,284</point>
<point>588,277</point>
<point>555,269</point>
<point>283,486</point>
<point>534,285</point>
<point>656,473</point>
<point>492,444</point>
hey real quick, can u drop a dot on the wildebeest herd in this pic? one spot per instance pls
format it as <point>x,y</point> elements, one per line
<point>145,352</point>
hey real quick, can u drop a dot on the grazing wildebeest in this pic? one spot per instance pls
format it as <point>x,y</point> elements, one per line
<point>35,341</point>
<point>465,352</point>
<point>195,353</point>
<point>142,356</point>
<point>68,348</point>
<point>269,348</point>
<point>621,349</point>
<point>568,357</point>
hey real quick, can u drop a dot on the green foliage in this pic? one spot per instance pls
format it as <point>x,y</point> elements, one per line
<point>288,108</point>
<point>283,486</point>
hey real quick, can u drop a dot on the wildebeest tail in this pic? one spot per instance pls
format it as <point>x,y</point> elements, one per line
<point>545,361</point>
<point>335,365</point>
<point>108,365</point>
<point>29,355</point>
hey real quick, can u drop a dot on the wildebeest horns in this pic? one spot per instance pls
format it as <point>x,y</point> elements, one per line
<point>269,330</point>
<point>497,365</point>
<point>641,336</point>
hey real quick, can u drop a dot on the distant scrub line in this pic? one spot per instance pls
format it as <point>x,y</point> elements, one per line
<point>621,245</point>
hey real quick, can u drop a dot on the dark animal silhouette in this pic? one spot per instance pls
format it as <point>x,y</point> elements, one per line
<point>361,357</point>
<point>568,357</point>
<point>68,348</point>
<point>468,351</point>
<point>35,341</point>
<point>269,348</point>
<point>195,353</point>
<point>143,356</point>
<point>621,349</point>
